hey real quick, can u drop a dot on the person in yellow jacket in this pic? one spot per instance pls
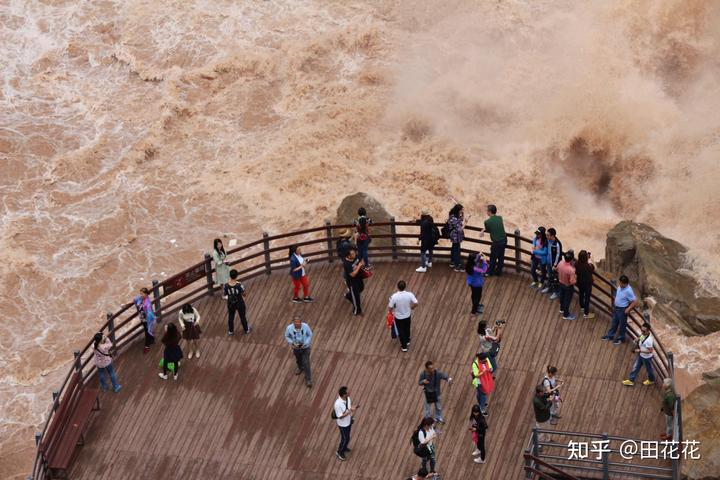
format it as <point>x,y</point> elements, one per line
<point>482,379</point>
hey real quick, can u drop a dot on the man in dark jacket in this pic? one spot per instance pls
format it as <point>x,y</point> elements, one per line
<point>541,405</point>
<point>429,236</point>
<point>555,254</point>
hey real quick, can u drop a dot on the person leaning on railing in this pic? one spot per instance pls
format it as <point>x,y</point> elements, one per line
<point>668,408</point>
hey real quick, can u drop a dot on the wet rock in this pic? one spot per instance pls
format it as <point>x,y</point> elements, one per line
<point>712,378</point>
<point>656,266</point>
<point>701,422</point>
<point>347,212</point>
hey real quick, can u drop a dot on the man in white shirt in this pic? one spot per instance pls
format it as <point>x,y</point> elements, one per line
<point>402,304</point>
<point>343,412</point>
<point>645,353</point>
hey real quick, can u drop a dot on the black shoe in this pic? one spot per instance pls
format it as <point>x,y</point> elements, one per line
<point>347,450</point>
<point>308,300</point>
<point>248,330</point>
<point>340,456</point>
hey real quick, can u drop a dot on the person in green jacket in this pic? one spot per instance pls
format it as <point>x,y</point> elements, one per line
<point>494,226</point>
<point>668,408</point>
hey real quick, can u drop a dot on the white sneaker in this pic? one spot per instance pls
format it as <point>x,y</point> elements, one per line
<point>190,355</point>
<point>545,290</point>
<point>421,269</point>
<point>174,377</point>
<point>553,296</point>
<point>476,453</point>
<point>197,354</point>
<point>163,376</point>
<point>429,264</point>
<point>479,460</point>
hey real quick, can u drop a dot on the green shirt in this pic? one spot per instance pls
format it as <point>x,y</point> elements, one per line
<point>668,404</point>
<point>494,226</point>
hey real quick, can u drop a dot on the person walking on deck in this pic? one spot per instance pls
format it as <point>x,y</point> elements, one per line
<point>539,258</point>
<point>490,341</point>
<point>146,312</point>
<point>298,275</point>
<point>103,361</point>
<point>222,268</point>
<point>189,321</point>
<point>494,226</point>
<point>668,408</point>
<point>555,255</point>
<point>568,279</point>
<point>541,407</point>
<point>343,410</point>
<point>551,385</point>
<point>478,428</point>
<point>402,303</point>
<point>362,235</point>
<point>482,380</point>
<point>625,301</point>
<point>352,266</point>
<point>456,223</point>
<point>172,353</point>
<point>429,236</point>
<point>299,336</point>
<point>644,349</point>
<point>475,268</point>
<point>430,380</point>
<point>584,268</point>
<point>235,294</point>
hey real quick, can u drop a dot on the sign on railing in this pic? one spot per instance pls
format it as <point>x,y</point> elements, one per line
<point>173,284</point>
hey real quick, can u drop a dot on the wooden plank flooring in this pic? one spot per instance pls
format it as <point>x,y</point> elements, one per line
<point>239,411</point>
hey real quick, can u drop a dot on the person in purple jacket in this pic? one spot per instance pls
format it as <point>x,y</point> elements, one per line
<point>456,222</point>
<point>475,268</point>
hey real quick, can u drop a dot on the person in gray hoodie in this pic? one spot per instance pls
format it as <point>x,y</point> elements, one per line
<point>430,381</point>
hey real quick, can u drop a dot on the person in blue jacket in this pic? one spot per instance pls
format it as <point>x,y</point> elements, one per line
<point>298,275</point>
<point>539,258</point>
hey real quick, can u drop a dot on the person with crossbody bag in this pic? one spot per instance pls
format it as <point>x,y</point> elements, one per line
<point>430,381</point>
<point>342,413</point>
<point>103,361</point>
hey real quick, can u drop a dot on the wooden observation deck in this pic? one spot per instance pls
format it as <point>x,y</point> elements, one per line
<point>239,412</point>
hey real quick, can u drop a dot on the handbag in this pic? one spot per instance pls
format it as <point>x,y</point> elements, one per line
<point>365,272</point>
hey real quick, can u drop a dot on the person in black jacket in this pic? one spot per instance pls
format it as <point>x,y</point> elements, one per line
<point>429,235</point>
<point>478,427</point>
<point>352,268</point>
<point>542,405</point>
<point>555,254</point>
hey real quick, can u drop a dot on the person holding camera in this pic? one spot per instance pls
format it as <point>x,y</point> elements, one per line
<point>490,341</point>
<point>299,336</point>
<point>430,380</point>
<point>103,361</point>
<point>475,268</point>
<point>541,406</point>
<point>343,410</point>
<point>552,385</point>
<point>644,347</point>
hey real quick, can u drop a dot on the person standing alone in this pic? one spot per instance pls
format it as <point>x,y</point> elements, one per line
<point>235,294</point>
<point>494,226</point>
<point>430,380</point>
<point>429,236</point>
<point>567,279</point>
<point>299,336</point>
<point>146,312</point>
<point>475,268</point>
<point>343,413</point>
<point>402,303</point>
<point>298,275</point>
<point>645,353</point>
<point>103,361</point>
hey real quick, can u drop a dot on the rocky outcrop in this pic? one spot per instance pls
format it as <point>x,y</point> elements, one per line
<point>347,212</point>
<point>701,422</point>
<point>656,267</point>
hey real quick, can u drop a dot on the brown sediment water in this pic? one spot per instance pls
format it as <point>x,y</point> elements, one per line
<point>134,132</point>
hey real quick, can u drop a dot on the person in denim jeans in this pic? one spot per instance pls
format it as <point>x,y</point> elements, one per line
<point>645,353</point>
<point>103,361</point>
<point>362,235</point>
<point>539,258</point>
<point>430,380</point>
<point>456,221</point>
<point>625,301</point>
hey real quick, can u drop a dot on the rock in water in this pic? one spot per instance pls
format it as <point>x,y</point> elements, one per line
<point>701,422</point>
<point>347,212</point>
<point>654,265</point>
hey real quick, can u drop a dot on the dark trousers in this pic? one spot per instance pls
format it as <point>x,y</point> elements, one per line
<point>584,297</point>
<point>553,281</point>
<point>475,297</point>
<point>619,324</point>
<point>536,265</point>
<point>566,294</point>
<point>353,296</point>
<point>302,359</point>
<point>497,257</point>
<point>430,459</point>
<point>240,309</point>
<point>426,253</point>
<point>403,327</point>
<point>149,339</point>
<point>481,445</point>
<point>455,255</point>
<point>344,439</point>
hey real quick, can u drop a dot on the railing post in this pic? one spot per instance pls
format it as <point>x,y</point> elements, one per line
<point>55,395</point>
<point>111,327</point>
<point>38,437</point>
<point>78,362</point>
<point>606,458</point>
<point>329,235</point>
<point>518,254</point>
<point>528,464</point>
<point>266,249</point>
<point>393,238</point>
<point>208,273</point>
<point>156,300</point>
<point>535,446</point>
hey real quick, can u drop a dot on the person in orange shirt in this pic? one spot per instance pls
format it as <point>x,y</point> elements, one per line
<point>567,279</point>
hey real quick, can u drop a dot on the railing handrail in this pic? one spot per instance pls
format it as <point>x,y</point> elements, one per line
<point>267,266</point>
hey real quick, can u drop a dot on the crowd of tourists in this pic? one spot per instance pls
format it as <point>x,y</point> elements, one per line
<point>555,272</point>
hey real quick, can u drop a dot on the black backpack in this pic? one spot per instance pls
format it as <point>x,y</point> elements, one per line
<point>419,449</point>
<point>436,234</point>
<point>235,294</point>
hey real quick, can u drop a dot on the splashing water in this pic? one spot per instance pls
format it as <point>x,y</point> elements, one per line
<point>133,133</point>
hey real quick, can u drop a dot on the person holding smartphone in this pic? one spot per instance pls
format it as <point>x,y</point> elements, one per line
<point>103,361</point>
<point>299,276</point>
<point>584,269</point>
<point>343,412</point>
<point>299,336</point>
<point>552,386</point>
